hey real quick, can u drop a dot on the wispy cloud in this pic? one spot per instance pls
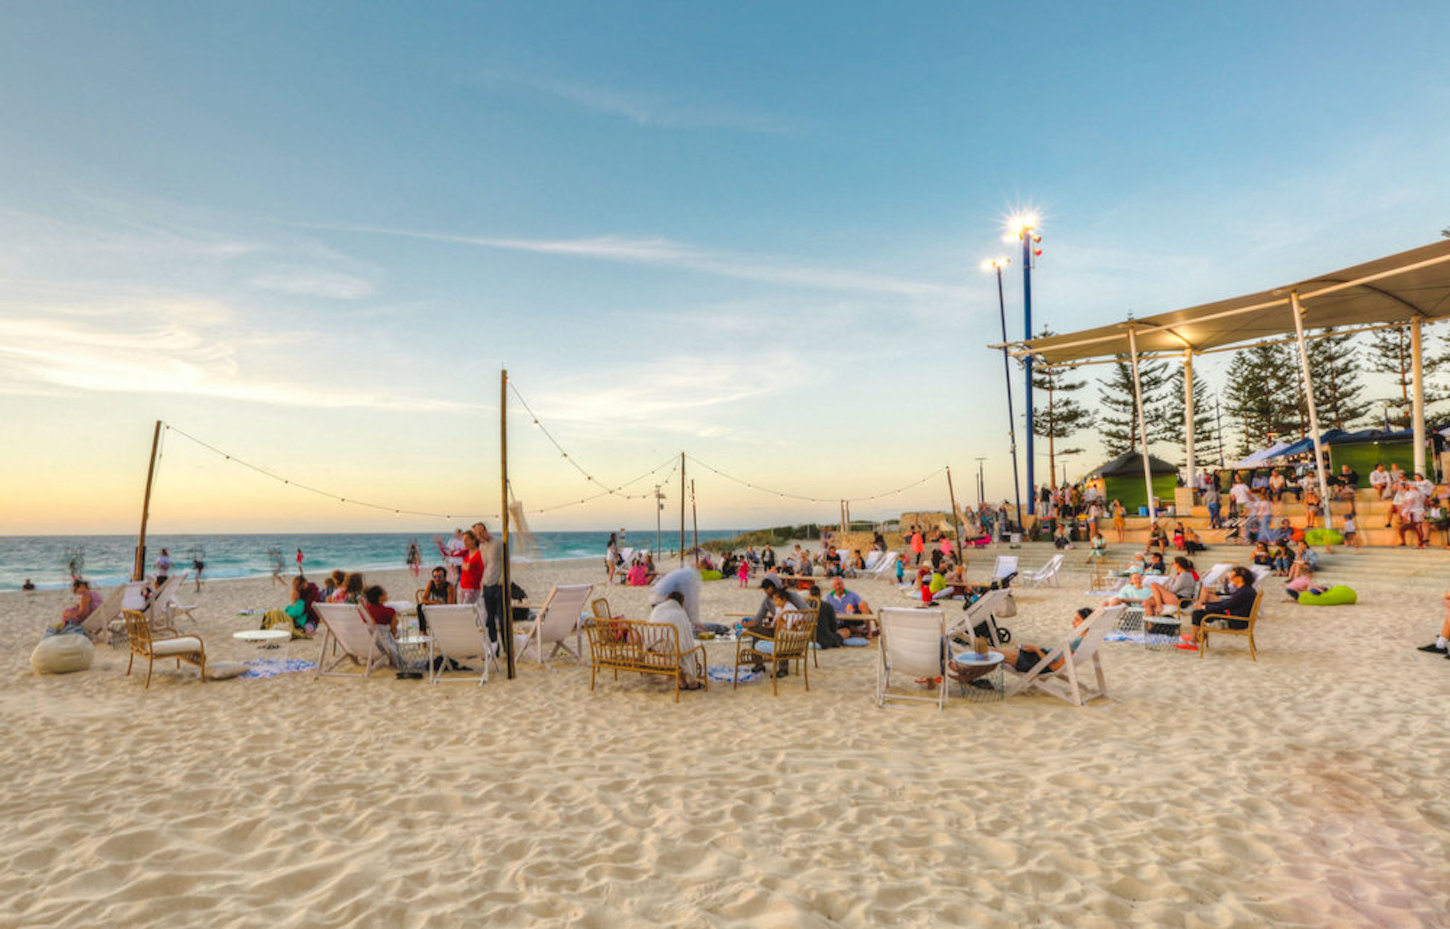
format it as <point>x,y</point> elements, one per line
<point>82,352</point>
<point>669,254</point>
<point>313,282</point>
<point>643,108</point>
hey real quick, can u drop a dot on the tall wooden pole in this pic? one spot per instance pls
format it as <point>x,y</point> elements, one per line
<point>506,620</point>
<point>138,572</point>
<point>956,523</point>
<point>682,509</point>
<point>695,523</point>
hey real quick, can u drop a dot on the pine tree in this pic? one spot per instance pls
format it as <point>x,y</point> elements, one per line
<point>1334,365</point>
<point>1389,353</point>
<point>1062,416</point>
<point>1264,395</point>
<point>1205,438</point>
<point>1119,417</point>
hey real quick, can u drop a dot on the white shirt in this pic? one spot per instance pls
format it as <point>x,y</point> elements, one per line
<point>1379,478</point>
<point>1240,493</point>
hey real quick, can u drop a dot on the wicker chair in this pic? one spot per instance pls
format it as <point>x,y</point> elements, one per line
<point>789,641</point>
<point>1204,629</point>
<point>151,643</point>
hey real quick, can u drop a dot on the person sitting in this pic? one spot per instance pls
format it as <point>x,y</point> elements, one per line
<point>1239,602</point>
<point>845,601</point>
<point>1283,558</point>
<point>87,602</point>
<point>670,608</point>
<point>1156,565</point>
<point>1441,645</point>
<point>828,633</point>
<point>1181,586</point>
<point>764,618</point>
<point>1178,536</point>
<point>1192,544</point>
<point>332,585</point>
<point>1097,543</point>
<point>1305,562</point>
<point>439,589</point>
<point>856,565</point>
<point>638,573</point>
<point>297,616</point>
<point>28,585</point>
<point>1262,556</point>
<point>1021,658</point>
<point>384,619</point>
<point>1133,592</point>
<point>955,585</point>
<point>351,590</point>
<point>1346,483</point>
<point>1157,538</point>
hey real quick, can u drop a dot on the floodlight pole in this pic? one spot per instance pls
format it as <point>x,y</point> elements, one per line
<point>1417,373</point>
<point>1298,311</point>
<point>1011,419</point>
<point>1027,367</point>
<point>1188,417</point>
<point>1142,422</point>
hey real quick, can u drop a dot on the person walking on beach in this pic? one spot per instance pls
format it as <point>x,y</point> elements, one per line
<point>414,559</point>
<point>197,566</point>
<point>299,561</point>
<point>278,566</point>
<point>163,568</point>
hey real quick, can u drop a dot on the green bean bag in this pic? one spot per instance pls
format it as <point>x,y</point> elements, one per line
<point>1323,537</point>
<point>1338,595</point>
<point>710,575</point>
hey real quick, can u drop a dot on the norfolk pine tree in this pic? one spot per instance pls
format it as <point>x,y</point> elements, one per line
<point>1119,418</point>
<point>1062,416</point>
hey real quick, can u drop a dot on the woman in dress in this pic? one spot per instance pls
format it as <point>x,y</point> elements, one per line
<point>1120,521</point>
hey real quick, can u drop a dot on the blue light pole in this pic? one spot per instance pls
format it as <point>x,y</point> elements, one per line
<point>996,265</point>
<point>1024,227</point>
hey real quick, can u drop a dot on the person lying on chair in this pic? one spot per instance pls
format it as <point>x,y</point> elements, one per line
<point>1022,658</point>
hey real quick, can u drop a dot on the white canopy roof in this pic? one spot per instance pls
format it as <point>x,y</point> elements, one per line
<point>1387,290</point>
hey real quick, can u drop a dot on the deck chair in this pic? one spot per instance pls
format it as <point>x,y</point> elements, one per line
<point>352,637</point>
<point>1215,574</point>
<point>1067,682</point>
<point>789,641</point>
<point>557,622</point>
<point>883,566</point>
<point>456,634</point>
<point>169,603</point>
<point>978,612</point>
<point>1004,570</point>
<point>100,619</point>
<point>150,643</point>
<point>911,649</point>
<point>1216,624</point>
<point>1047,574</point>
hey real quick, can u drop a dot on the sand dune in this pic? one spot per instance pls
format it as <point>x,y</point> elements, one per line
<point>1302,790</point>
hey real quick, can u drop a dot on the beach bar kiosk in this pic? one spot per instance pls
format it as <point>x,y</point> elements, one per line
<point>1122,479</point>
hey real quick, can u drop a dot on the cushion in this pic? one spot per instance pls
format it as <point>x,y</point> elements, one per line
<point>61,654</point>
<point>1323,537</point>
<point>1338,595</point>
<point>222,670</point>
<point>764,646</point>
<point>184,645</point>
<point>857,642</point>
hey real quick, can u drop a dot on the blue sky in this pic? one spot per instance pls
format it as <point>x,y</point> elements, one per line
<point>313,233</point>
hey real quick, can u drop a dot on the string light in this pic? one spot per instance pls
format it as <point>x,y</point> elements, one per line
<point>785,495</point>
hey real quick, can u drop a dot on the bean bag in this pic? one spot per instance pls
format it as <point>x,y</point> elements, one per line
<point>1323,537</point>
<point>222,670</point>
<point>61,654</point>
<point>1338,595</point>
<point>710,575</point>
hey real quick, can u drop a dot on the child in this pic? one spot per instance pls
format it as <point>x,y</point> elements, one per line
<point>743,572</point>
<point>900,568</point>
<point>1351,535</point>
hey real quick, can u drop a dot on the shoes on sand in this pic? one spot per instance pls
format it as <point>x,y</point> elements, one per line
<point>1435,649</point>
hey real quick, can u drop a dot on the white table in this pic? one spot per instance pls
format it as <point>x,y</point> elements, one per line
<point>263,638</point>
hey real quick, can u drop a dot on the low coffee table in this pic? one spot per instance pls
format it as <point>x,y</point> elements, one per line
<point>263,638</point>
<point>987,668</point>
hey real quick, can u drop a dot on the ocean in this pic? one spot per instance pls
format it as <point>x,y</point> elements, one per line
<point>48,561</point>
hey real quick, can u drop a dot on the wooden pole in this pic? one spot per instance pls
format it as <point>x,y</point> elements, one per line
<point>682,509</point>
<point>956,523</point>
<point>695,523</point>
<point>138,571</point>
<point>506,619</point>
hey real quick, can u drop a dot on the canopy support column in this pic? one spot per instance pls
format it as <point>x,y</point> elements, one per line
<point>1142,423</point>
<point>1417,414</point>
<point>1298,312</point>
<point>1188,417</point>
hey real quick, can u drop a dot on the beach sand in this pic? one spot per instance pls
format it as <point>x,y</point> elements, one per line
<point>1305,789</point>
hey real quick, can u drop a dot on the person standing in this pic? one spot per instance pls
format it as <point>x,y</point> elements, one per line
<point>299,561</point>
<point>1215,506</point>
<point>414,559</point>
<point>470,579</point>
<point>491,548</point>
<point>163,568</point>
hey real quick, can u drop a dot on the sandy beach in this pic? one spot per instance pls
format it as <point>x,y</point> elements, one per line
<point>1304,789</point>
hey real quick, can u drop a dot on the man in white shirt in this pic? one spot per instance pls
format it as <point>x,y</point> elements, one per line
<point>1379,480</point>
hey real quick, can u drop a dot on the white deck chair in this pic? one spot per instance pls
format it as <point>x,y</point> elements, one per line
<point>456,632</point>
<point>1005,567</point>
<point>1067,683</point>
<point>1260,572</point>
<point>100,619</point>
<point>352,637</point>
<point>169,603</point>
<point>911,648</point>
<point>981,610</point>
<point>883,566</point>
<point>1214,575</point>
<point>1047,574</point>
<point>557,621</point>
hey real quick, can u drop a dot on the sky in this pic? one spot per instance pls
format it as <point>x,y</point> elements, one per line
<point>309,238</point>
